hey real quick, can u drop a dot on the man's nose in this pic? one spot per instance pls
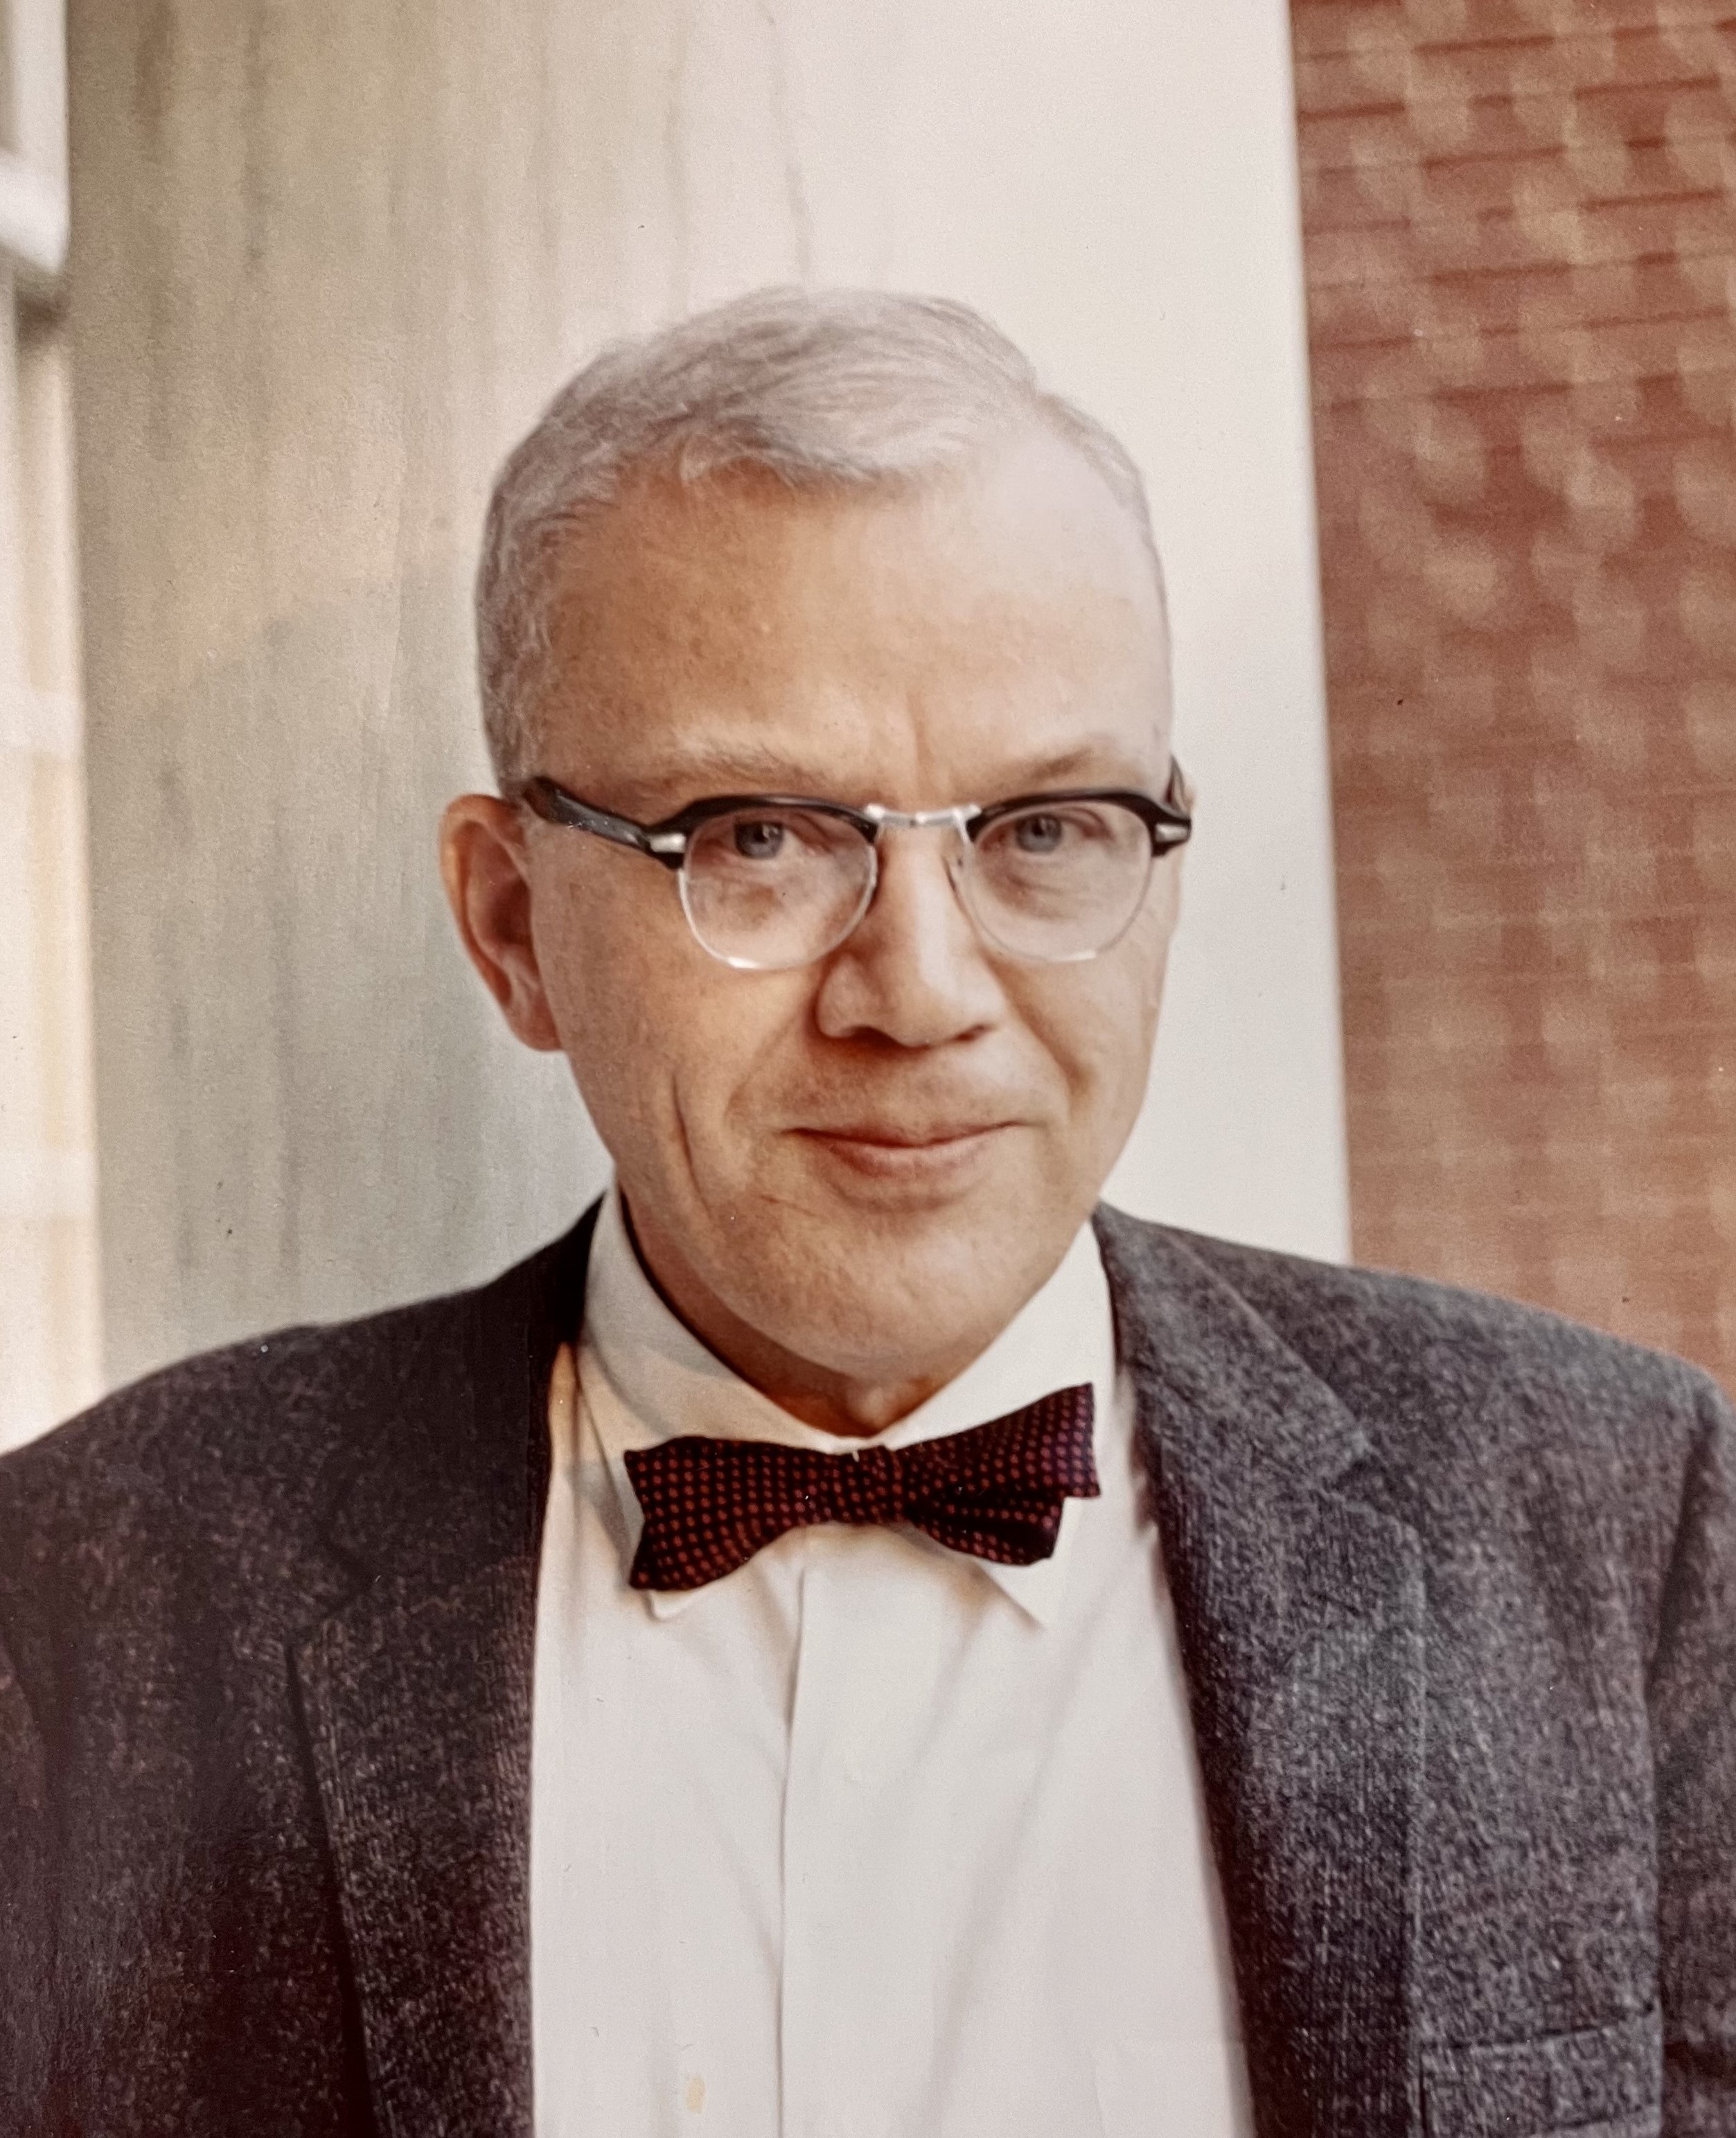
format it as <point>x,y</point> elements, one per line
<point>915,970</point>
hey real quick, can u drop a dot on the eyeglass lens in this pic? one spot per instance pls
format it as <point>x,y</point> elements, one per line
<point>771,888</point>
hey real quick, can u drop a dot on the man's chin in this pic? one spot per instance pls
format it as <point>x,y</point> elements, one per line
<point>905,1290</point>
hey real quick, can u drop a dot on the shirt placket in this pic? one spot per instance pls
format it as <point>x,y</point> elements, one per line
<point>808,1791</point>
<point>825,2093</point>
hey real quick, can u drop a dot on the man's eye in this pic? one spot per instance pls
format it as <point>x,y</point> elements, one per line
<point>1039,834</point>
<point>759,838</point>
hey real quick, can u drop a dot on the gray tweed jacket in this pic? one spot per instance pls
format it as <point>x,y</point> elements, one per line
<point>1456,1588</point>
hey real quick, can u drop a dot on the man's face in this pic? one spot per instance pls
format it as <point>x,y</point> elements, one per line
<point>871,1163</point>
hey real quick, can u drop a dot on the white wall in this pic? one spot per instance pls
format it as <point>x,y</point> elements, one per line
<point>321,279</point>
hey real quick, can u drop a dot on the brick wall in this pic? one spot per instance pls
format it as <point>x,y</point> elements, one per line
<point>1519,252</point>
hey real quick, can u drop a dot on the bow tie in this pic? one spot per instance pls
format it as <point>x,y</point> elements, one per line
<point>995,1491</point>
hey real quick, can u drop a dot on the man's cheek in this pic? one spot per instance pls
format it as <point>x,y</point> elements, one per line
<point>707,1116</point>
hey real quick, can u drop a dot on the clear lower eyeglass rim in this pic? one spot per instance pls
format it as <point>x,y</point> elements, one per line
<point>744,964</point>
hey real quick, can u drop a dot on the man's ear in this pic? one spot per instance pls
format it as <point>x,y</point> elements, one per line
<point>485,870</point>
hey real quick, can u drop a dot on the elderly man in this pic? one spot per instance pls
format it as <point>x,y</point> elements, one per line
<point>859,1639</point>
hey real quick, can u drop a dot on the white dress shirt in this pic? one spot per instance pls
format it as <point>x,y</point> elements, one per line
<point>869,1839</point>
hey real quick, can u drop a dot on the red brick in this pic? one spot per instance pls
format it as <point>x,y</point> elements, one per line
<point>1524,370</point>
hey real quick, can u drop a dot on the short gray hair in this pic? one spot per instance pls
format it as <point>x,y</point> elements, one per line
<point>841,388</point>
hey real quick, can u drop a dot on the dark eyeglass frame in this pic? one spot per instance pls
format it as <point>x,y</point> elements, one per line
<point>1168,822</point>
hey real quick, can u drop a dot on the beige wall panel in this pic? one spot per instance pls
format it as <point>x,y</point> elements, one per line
<point>327,262</point>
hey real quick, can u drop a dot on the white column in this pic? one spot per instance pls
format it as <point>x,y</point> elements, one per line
<point>328,264</point>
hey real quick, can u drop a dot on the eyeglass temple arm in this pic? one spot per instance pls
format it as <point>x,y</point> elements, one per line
<point>1171,822</point>
<point>556,806</point>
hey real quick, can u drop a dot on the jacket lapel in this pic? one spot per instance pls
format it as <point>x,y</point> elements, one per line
<point>416,1693</point>
<point>1300,1615</point>
<point>419,1708</point>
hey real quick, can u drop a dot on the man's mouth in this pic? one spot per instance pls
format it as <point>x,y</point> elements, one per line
<point>903,1148</point>
<point>910,1130</point>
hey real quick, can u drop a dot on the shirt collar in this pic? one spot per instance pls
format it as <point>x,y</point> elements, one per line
<point>648,1379</point>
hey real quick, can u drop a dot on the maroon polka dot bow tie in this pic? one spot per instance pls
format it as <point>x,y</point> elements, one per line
<point>996,1491</point>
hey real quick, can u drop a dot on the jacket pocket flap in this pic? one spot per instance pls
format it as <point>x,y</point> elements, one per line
<point>1601,2080</point>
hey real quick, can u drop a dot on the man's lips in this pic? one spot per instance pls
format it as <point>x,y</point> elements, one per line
<point>935,1154</point>
<point>902,1136</point>
<point>908,1159</point>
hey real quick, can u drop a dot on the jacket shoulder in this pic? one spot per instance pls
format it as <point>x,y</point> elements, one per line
<point>1397,1349</point>
<point>258,1435</point>
<point>222,1437</point>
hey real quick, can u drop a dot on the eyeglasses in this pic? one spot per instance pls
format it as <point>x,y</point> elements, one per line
<point>772,882</point>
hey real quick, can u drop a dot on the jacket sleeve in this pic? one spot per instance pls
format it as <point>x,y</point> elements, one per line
<point>1694,1722</point>
<point>26,1954</point>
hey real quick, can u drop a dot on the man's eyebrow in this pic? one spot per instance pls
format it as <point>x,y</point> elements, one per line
<point>739,766</point>
<point>1097,759</point>
<point>745,767</point>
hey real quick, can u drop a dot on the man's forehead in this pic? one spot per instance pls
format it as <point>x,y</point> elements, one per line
<point>1012,611</point>
<point>1015,525</point>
